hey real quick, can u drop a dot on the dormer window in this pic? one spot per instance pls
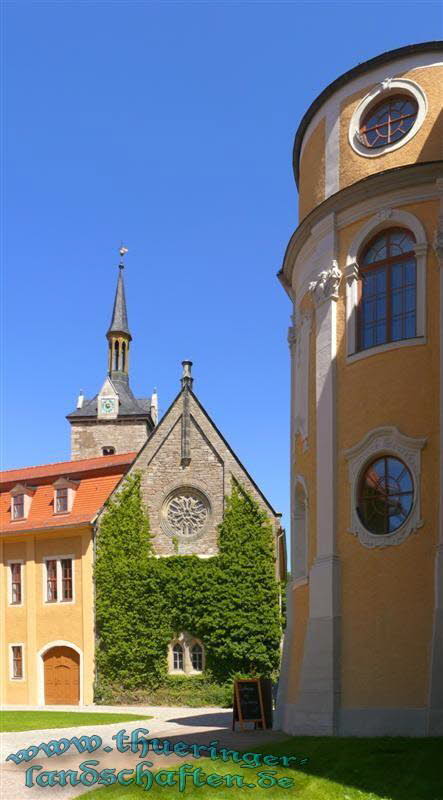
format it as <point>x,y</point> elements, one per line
<point>61,500</point>
<point>64,494</point>
<point>21,496</point>
<point>18,506</point>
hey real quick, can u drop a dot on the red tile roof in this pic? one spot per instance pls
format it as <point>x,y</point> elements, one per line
<point>23,474</point>
<point>96,477</point>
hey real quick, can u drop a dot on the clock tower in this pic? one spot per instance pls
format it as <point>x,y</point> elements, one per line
<point>114,421</point>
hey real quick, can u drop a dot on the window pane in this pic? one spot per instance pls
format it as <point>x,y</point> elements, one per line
<point>17,662</point>
<point>197,657</point>
<point>177,656</point>
<point>51,581</point>
<point>410,326</point>
<point>61,500</point>
<point>66,566</point>
<point>18,506</point>
<point>16,583</point>
<point>385,495</point>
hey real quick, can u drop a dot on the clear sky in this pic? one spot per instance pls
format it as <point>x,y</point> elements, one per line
<point>168,126</point>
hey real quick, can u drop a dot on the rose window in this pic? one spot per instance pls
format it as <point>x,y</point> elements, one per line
<point>185,513</point>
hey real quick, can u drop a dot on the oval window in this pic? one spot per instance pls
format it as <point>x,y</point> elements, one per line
<point>385,495</point>
<point>388,121</point>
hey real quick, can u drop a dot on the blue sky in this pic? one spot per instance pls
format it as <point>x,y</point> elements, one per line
<point>168,126</point>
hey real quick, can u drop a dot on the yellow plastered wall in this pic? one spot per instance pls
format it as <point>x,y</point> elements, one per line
<point>312,171</point>
<point>387,594</point>
<point>36,623</point>
<point>426,145</point>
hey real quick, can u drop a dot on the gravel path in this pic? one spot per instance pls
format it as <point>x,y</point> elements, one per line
<point>191,725</point>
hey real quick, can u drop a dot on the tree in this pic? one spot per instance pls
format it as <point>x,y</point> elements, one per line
<point>245,629</point>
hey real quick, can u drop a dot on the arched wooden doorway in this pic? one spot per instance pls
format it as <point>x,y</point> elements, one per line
<point>62,676</point>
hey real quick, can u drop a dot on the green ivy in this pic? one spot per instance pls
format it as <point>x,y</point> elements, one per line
<point>229,601</point>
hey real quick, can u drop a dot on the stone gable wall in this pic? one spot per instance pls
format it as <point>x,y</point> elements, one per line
<point>210,471</point>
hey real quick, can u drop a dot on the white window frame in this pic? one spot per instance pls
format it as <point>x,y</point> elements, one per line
<point>58,559</point>
<point>384,219</point>
<point>22,581</point>
<point>383,91</point>
<point>11,662</point>
<point>385,441</point>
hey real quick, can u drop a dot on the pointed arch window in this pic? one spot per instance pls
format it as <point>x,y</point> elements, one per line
<point>123,356</point>
<point>116,356</point>
<point>177,656</point>
<point>197,657</point>
<point>387,303</point>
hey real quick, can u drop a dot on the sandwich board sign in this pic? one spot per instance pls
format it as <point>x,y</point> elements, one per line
<point>248,703</point>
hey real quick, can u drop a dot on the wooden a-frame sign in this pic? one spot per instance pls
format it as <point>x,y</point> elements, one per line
<point>248,703</point>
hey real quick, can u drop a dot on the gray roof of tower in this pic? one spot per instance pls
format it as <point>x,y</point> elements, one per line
<point>119,321</point>
<point>129,406</point>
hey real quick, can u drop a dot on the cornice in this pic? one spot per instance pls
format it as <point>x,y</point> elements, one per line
<point>345,201</point>
<point>366,66</point>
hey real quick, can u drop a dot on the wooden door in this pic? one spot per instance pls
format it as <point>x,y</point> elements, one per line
<point>62,676</point>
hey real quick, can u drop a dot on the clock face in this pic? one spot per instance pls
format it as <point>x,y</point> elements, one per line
<point>107,405</point>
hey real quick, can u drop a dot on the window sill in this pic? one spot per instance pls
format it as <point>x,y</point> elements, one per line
<point>384,348</point>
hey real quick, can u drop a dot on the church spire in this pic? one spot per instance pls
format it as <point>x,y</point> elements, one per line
<point>118,334</point>
<point>119,321</point>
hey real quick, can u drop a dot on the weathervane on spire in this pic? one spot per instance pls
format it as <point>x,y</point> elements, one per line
<point>122,251</point>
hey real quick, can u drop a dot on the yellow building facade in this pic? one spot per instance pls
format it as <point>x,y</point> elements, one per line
<point>364,647</point>
<point>47,635</point>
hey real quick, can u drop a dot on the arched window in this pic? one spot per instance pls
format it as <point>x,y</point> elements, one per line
<point>387,306</point>
<point>123,356</point>
<point>177,657</point>
<point>197,657</point>
<point>116,355</point>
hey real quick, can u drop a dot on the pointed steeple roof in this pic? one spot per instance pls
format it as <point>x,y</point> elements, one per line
<point>119,321</point>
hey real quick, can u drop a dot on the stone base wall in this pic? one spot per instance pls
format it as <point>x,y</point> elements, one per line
<point>88,438</point>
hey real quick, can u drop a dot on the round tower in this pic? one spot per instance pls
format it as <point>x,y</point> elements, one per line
<point>364,647</point>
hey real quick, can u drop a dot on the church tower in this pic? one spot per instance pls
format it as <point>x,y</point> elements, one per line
<point>114,421</point>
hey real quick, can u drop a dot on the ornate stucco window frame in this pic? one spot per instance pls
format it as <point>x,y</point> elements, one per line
<point>382,91</point>
<point>386,217</point>
<point>378,442</point>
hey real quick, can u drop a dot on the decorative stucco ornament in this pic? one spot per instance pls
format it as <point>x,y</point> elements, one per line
<point>326,286</point>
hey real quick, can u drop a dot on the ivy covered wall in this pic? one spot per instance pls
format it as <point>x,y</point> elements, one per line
<point>230,601</point>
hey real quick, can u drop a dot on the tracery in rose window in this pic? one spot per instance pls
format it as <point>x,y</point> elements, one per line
<point>186,513</point>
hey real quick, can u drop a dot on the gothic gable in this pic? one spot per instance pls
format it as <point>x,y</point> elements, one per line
<point>187,469</point>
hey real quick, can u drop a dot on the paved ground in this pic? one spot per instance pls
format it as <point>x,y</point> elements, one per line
<point>192,725</point>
